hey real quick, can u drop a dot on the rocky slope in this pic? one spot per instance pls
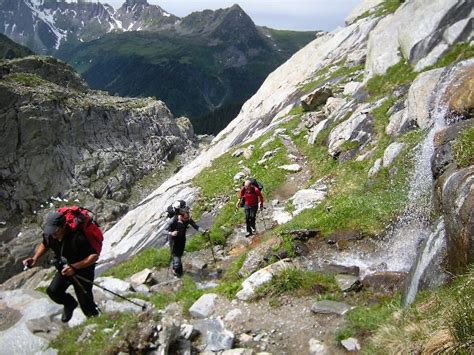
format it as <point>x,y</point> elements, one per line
<point>350,160</point>
<point>10,49</point>
<point>63,141</point>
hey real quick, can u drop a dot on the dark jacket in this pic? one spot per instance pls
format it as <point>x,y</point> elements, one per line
<point>178,242</point>
<point>74,247</point>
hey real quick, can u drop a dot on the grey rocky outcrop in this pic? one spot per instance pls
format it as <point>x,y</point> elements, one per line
<point>420,31</point>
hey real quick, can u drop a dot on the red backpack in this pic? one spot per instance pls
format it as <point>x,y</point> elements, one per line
<point>79,218</point>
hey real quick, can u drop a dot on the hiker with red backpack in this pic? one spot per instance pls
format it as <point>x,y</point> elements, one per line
<point>250,195</point>
<point>69,232</point>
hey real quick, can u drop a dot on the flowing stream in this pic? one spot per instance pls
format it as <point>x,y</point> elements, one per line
<point>414,240</point>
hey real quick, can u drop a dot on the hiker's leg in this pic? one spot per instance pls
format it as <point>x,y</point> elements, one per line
<point>57,290</point>
<point>253,216</point>
<point>178,251</point>
<point>248,222</point>
<point>177,265</point>
<point>84,294</point>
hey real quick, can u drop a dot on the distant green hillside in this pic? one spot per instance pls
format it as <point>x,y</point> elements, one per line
<point>205,77</point>
<point>10,49</point>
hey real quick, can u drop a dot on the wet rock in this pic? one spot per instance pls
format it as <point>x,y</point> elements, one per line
<point>204,306</point>
<point>281,216</point>
<point>216,337</point>
<point>386,281</point>
<point>330,307</point>
<point>458,94</point>
<point>348,283</point>
<point>317,347</point>
<point>391,153</point>
<point>307,198</point>
<point>261,277</point>
<point>351,344</point>
<point>292,168</point>
<point>343,235</point>
<point>420,96</point>
<point>316,98</point>
<point>304,234</point>
<point>337,269</point>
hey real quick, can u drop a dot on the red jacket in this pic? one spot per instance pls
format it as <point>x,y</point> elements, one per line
<point>251,197</point>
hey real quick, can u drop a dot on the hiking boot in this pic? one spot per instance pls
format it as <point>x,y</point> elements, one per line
<point>67,312</point>
<point>249,234</point>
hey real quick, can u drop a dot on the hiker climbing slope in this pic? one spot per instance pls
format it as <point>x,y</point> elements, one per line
<point>176,232</point>
<point>74,255</point>
<point>248,199</point>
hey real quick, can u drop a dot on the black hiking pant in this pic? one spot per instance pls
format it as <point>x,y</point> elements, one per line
<point>57,292</point>
<point>250,217</point>
<point>177,245</point>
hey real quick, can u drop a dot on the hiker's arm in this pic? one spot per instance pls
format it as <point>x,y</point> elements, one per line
<point>241,194</point>
<point>40,250</point>
<point>195,226</point>
<point>167,231</point>
<point>71,269</point>
<point>260,197</point>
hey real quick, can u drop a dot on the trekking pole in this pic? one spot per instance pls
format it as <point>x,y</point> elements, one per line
<point>143,306</point>
<point>212,246</point>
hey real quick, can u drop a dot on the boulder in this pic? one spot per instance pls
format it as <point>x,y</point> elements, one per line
<point>141,277</point>
<point>375,168</point>
<point>312,118</point>
<point>358,129</point>
<point>420,96</point>
<point>391,153</point>
<point>116,285</point>
<point>387,282</point>
<point>256,257</point>
<point>307,198</point>
<point>333,104</point>
<point>316,98</point>
<point>233,315</point>
<point>398,123</point>
<point>347,283</point>
<point>204,306</point>
<point>261,277</point>
<point>330,307</point>
<point>188,332</point>
<point>351,344</point>
<point>459,95</point>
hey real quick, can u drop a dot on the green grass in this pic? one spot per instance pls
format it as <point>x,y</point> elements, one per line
<point>383,9</point>
<point>186,295</point>
<point>26,79</point>
<point>297,282</point>
<point>99,342</point>
<point>383,85</point>
<point>354,202</point>
<point>457,53</point>
<point>445,315</point>
<point>148,258</point>
<point>363,320</point>
<point>463,148</point>
<point>217,183</point>
<point>230,284</point>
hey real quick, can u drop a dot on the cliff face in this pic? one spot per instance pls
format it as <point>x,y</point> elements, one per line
<point>58,137</point>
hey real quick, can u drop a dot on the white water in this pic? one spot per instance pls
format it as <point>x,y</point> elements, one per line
<point>434,244</point>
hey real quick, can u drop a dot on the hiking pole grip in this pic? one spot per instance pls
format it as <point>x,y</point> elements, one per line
<point>142,306</point>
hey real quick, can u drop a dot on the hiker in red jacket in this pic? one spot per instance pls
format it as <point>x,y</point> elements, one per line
<point>249,198</point>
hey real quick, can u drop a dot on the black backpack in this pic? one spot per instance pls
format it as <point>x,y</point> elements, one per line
<point>171,210</point>
<point>256,184</point>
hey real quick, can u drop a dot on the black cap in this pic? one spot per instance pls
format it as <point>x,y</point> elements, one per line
<point>53,222</point>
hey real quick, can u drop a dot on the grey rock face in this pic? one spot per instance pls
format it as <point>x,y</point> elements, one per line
<point>204,306</point>
<point>63,140</point>
<point>391,153</point>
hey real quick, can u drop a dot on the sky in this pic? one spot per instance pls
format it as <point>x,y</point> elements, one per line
<point>279,14</point>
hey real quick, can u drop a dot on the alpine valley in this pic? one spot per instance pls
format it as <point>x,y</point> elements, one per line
<point>204,66</point>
